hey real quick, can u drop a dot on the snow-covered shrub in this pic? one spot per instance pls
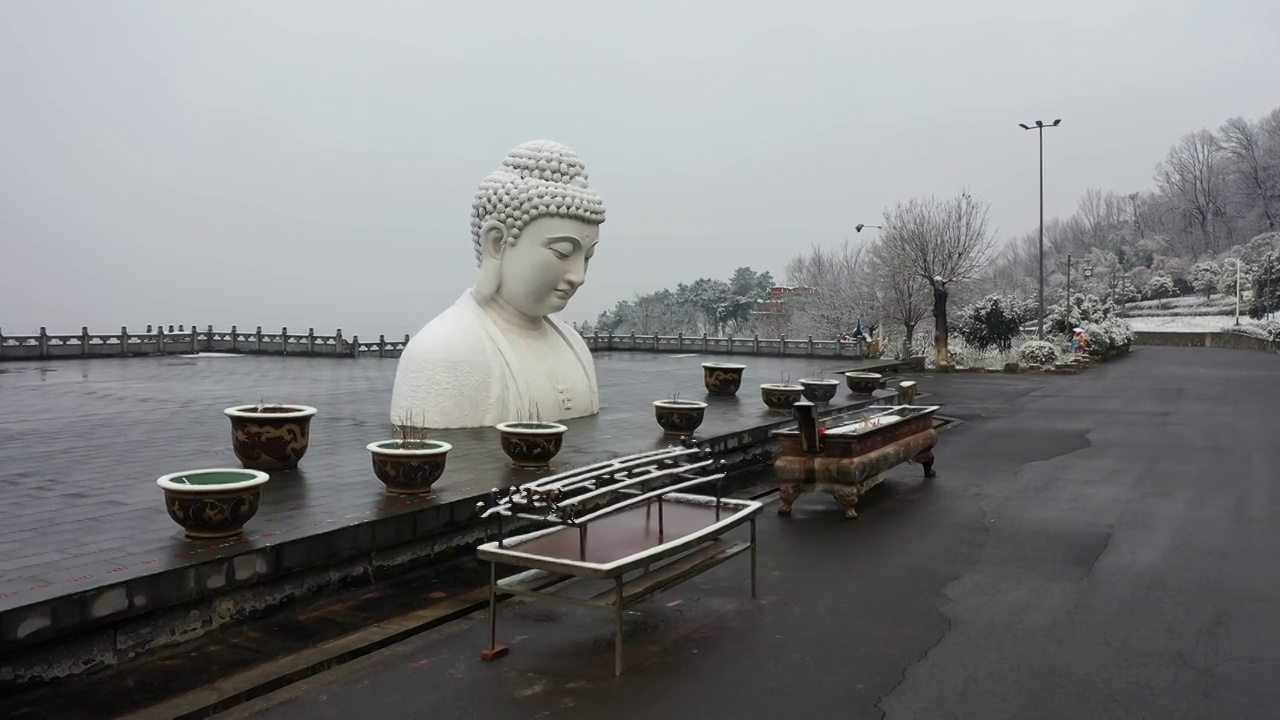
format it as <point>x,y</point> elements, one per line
<point>1111,333</point>
<point>1266,286</point>
<point>993,322</point>
<point>1269,329</point>
<point>1204,278</point>
<point>1038,353</point>
<point>1123,292</point>
<point>1119,333</point>
<point>1097,336</point>
<point>1227,280</point>
<point>965,355</point>
<point>1159,287</point>
<point>1084,308</point>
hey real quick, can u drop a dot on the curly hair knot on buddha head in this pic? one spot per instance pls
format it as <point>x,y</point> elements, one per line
<point>537,179</point>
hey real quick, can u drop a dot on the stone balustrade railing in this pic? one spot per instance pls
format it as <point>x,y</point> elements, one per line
<point>752,345</point>
<point>189,340</point>
<point>184,340</point>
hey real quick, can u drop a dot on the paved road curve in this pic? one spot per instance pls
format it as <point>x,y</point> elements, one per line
<point>1094,547</point>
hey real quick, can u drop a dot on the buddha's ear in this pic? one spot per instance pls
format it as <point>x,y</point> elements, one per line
<point>493,238</point>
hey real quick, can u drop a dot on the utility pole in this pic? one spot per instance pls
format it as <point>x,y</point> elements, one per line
<point>1040,126</point>
<point>1068,287</point>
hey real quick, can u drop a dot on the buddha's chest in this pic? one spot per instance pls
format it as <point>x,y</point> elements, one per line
<point>554,377</point>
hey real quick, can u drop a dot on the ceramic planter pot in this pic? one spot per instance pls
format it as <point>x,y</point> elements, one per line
<point>679,417</point>
<point>819,390</point>
<point>531,444</point>
<point>863,382</point>
<point>270,437</point>
<point>722,378</point>
<point>409,467</point>
<point>781,396</point>
<point>212,503</point>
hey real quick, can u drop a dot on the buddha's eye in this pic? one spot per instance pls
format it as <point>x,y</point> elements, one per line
<point>562,250</point>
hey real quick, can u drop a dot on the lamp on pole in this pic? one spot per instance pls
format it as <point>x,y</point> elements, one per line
<point>859,226</point>
<point>1039,127</point>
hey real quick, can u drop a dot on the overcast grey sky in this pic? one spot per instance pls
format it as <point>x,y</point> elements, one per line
<point>312,162</point>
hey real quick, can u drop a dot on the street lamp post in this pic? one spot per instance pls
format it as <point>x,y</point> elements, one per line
<point>1039,127</point>
<point>859,226</point>
<point>1068,288</point>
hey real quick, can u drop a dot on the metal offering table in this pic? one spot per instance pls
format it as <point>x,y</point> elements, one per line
<point>607,521</point>
<point>850,453</point>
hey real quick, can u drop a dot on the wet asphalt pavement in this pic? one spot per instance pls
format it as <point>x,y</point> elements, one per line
<point>1101,546</point>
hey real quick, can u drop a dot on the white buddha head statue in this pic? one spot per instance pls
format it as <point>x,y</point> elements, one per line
<point>535,223</point>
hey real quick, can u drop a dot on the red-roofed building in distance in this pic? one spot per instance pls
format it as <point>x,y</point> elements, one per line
<point>772,316</point>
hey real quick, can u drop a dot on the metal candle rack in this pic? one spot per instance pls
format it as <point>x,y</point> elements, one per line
<point>557,499</point>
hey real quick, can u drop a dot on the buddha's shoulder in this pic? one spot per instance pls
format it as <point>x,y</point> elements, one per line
<point>573,337</point>
<point>453,335</point>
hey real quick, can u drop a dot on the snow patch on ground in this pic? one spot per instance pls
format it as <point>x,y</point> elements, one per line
<point>1185,323</point>
<point>1180,302</point>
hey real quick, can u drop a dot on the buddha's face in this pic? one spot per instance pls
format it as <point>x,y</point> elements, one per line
<point>545,266</point>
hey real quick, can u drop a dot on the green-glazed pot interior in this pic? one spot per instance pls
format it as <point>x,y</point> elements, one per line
<point>410,445</point>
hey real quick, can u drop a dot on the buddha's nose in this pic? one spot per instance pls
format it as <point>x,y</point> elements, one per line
<point>577,274</point>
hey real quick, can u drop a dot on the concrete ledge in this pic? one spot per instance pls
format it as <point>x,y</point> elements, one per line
<point>1232,340</point>
<point>61,635</point>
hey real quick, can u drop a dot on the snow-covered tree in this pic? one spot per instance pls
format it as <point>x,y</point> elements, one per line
<point>1085,308</point>
<point>1159,287</point>
<point>942,243</point>
<point>1227,277</point>
<point>901,295</point>
<point>841,290</point>
<point>1266,287</point>
<point>1205,276</point>
<point>993,321</point>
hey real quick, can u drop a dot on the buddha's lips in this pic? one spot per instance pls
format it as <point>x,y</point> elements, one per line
<point>563,294</point>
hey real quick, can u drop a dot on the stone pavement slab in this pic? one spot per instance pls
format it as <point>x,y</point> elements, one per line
<point>82,441</point>
<point>1099,546</point>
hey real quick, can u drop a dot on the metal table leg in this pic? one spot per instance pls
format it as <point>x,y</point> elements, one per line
<point>617,621</point>
<point>494,651</point>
